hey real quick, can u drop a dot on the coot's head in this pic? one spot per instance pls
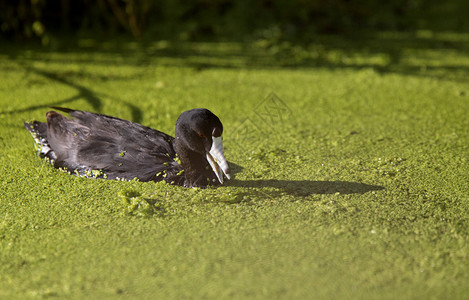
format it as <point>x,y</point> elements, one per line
<point>199,131</point>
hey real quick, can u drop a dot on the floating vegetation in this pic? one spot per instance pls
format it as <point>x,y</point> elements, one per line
<point>390,166</point>
<point>92,174</point>
<point>268,155</point>
<point>163,174</point>
<point>137,205</point>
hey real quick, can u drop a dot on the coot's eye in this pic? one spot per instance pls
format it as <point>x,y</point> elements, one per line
<point>201,135</point>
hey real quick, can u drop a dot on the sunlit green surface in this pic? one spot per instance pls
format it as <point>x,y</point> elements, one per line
<point>350,161</point>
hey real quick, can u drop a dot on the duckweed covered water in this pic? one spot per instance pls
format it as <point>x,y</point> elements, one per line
<point>350,165</point>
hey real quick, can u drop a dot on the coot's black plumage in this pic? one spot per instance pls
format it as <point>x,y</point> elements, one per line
<point>100,146</point>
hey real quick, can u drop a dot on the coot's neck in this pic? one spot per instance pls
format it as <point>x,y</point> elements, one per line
<point>197,171</point>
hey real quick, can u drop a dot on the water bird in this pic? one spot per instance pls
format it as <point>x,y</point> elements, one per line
<point>99,146</point>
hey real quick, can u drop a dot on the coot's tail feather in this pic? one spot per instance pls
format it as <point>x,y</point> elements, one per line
<point>39,132</point>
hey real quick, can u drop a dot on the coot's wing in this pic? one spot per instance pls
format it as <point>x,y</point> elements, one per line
<point>99,145</point>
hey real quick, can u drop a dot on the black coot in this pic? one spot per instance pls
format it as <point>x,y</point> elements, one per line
<point>99,146</point>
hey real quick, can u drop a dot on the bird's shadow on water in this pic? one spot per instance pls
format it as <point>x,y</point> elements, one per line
<point>309,187</point>
<point>303,187</point>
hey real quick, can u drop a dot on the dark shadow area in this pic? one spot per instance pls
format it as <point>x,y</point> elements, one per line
<point>383,54</point>
<point>388,37</point>
<point>406,53</point>
<point>309,187</point>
